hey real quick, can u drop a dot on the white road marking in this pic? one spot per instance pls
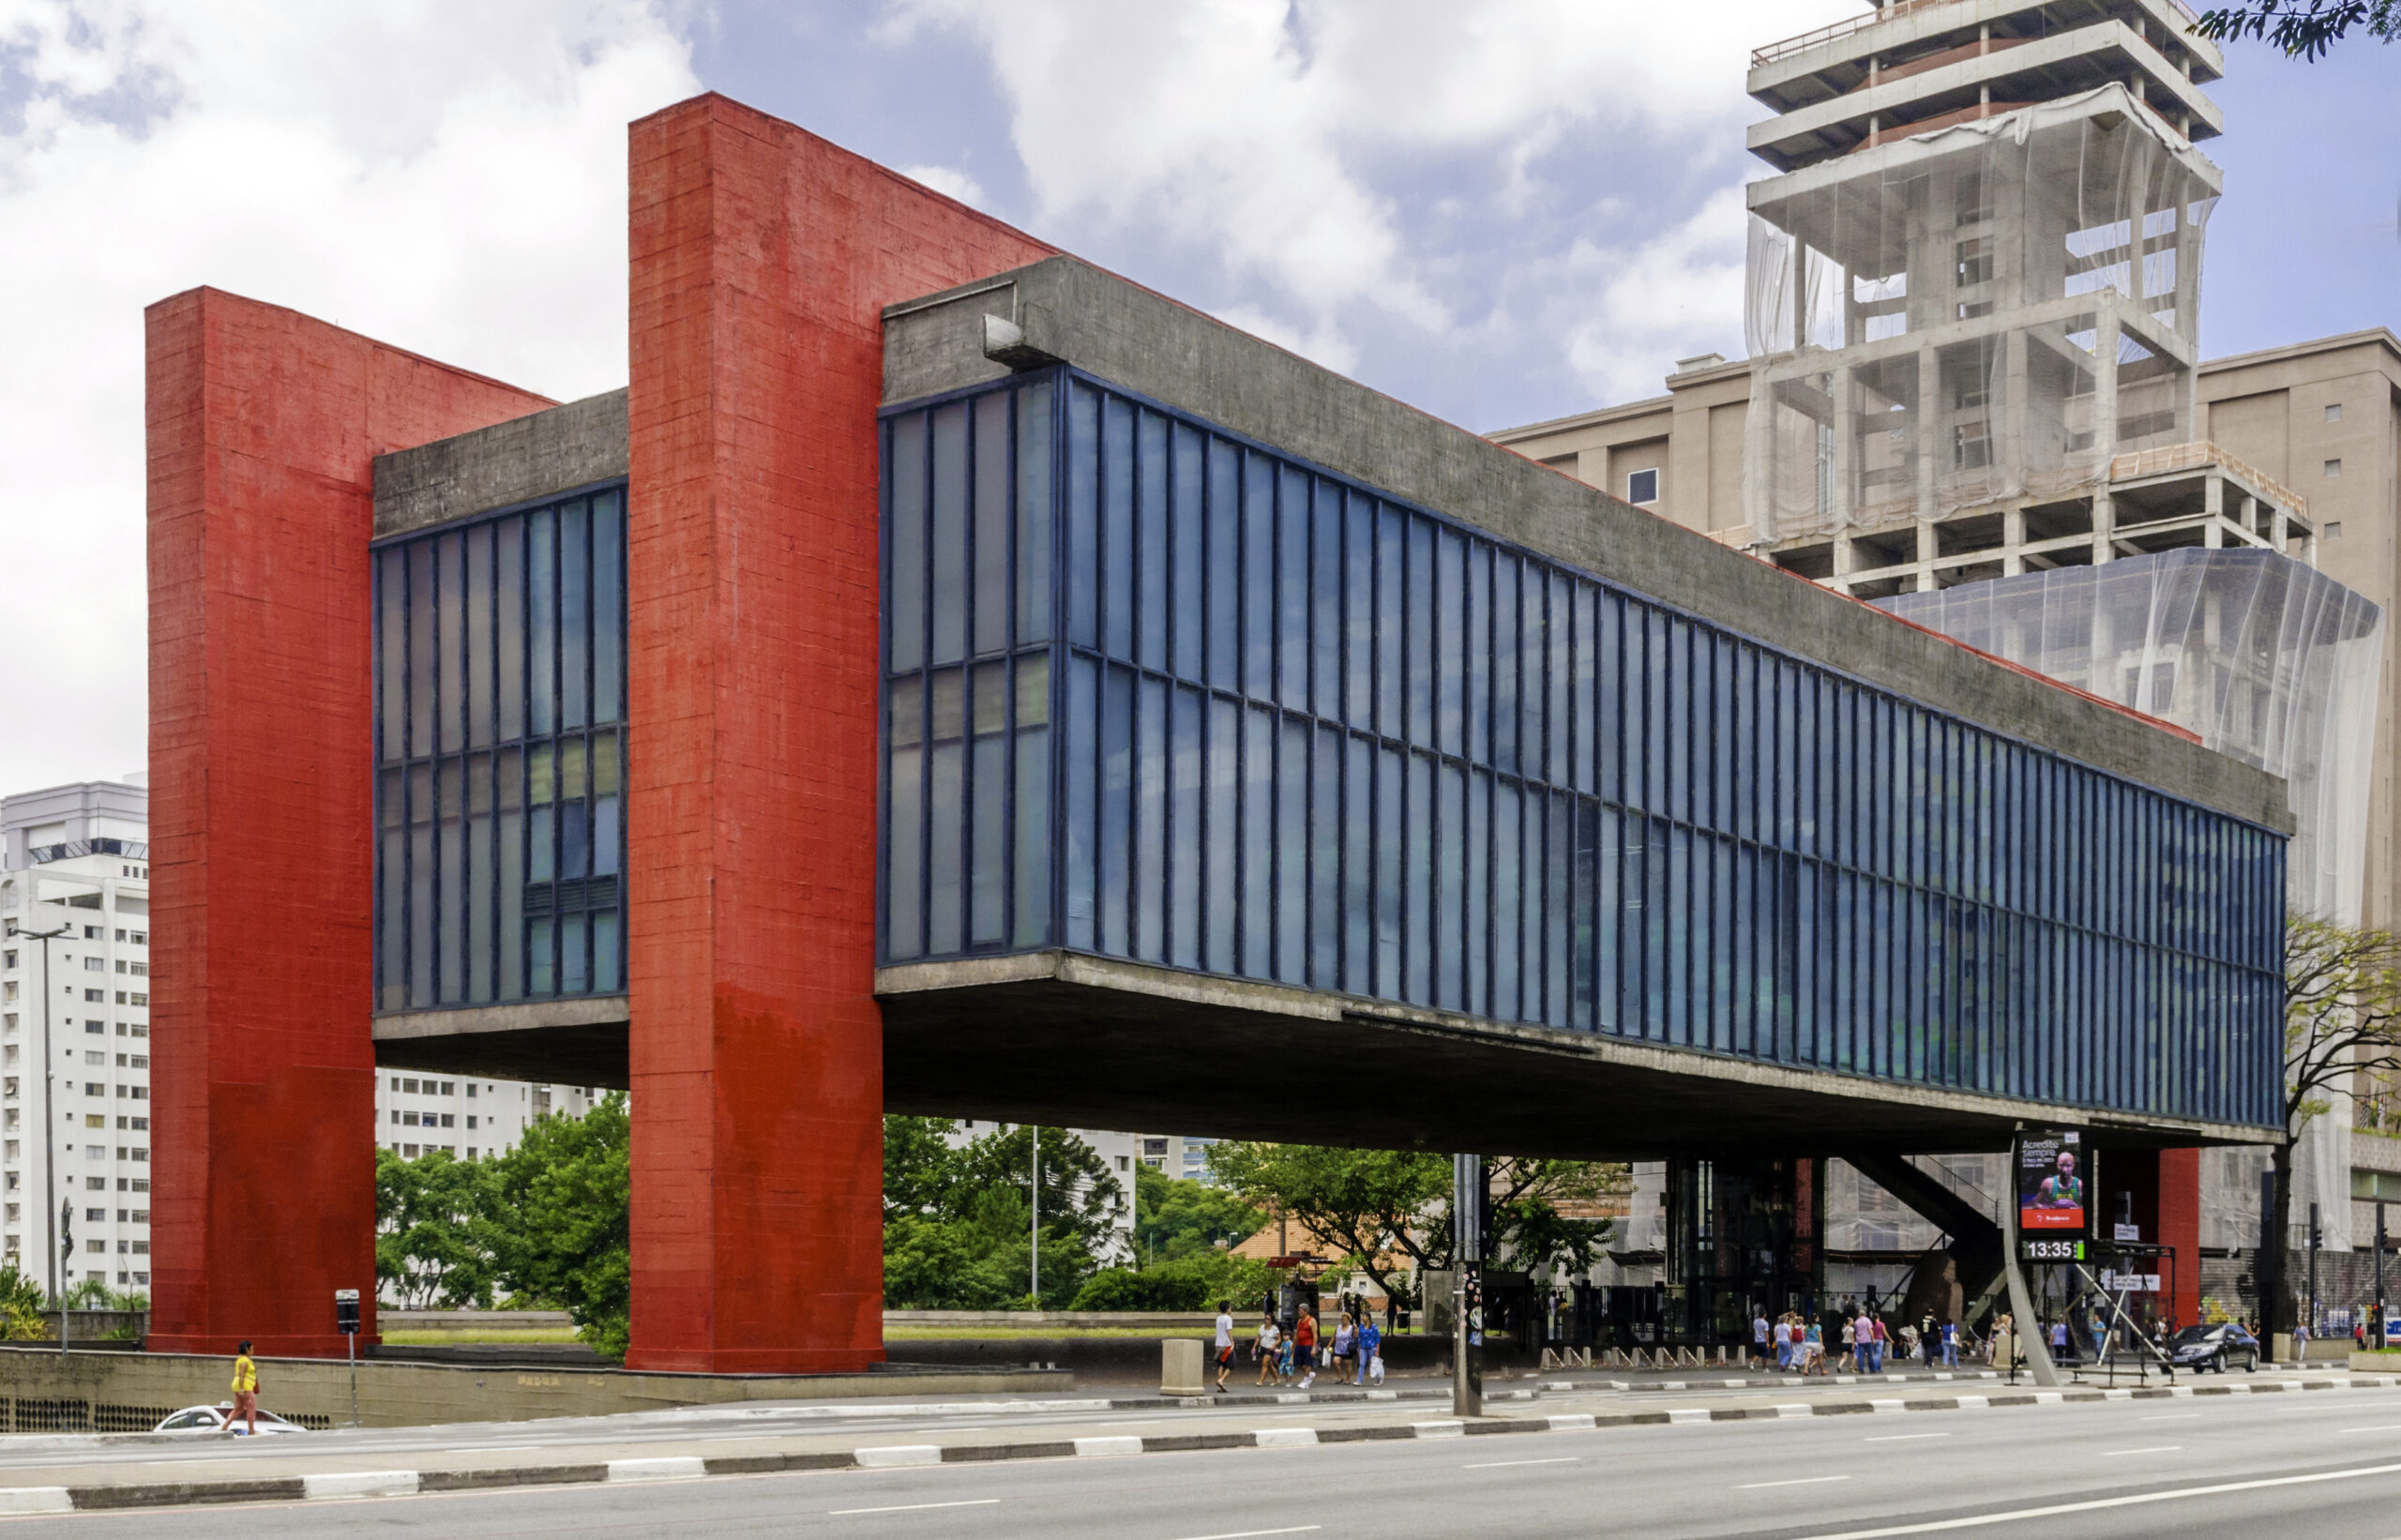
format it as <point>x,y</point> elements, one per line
<point>2380,1428</point>
<point>1904,1437</point>
<point>2147,1449</point>
<point>1796,1481</point>
<point>1498,1464</point>
<point>2170,1417</point>
<point>1246,1535</point>
<point>913,1507</point>
<point>2019,1516</point>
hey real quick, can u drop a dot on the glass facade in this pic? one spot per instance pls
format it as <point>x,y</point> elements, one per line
<point>500,695</point>
<point>1157,693</point>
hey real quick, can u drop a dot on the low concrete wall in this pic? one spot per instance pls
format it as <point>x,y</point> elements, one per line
<point>470,1320</point>
<point>409,1395</point>
<point>1134,1361</point>
<point>1135,1319</point>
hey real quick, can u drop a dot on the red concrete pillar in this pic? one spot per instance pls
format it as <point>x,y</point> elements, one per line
<point>2180,1226</point>
<point>263,426</point>
<point>762,258</point>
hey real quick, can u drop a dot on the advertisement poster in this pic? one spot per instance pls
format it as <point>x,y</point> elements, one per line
<point>2053,1182</point>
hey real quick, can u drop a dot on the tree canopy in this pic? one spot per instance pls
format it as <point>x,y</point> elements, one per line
<point>2303,29</point>
<point>1382,1206</point>
<point>957,1232</point>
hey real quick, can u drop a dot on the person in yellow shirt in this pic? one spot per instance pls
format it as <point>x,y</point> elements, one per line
<point>246,1389</point>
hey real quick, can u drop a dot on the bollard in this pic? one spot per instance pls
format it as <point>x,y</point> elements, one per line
<point>1179,1371</point>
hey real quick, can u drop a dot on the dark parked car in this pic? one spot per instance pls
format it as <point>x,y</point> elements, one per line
<point>2199,1347</point>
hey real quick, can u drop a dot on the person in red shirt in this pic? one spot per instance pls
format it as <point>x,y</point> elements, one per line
<point>1305,1346</point>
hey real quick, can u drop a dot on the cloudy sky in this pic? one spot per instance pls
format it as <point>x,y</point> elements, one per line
<point>1501,210</point>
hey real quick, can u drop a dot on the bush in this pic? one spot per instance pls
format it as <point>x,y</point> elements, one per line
<point>1123,1289</point>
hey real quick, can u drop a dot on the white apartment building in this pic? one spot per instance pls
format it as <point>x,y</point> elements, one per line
<point>417,1114</point>
<point>75,1031</point>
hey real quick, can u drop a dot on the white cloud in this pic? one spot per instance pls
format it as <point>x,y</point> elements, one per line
<point>447,176</point>
<point>1626,311</point>
<point>1278,136</point>
<point>949,181</point>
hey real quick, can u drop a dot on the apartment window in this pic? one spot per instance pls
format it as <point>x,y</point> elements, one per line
<point>471,1152</point>
<point>471,1090</point>
<point>96,997</point>
<point>138,1029</point>
<point>141,1184</point>
<point>408,1150</point>
<point>409,1087</point>
<point>94,1056</point>
<point>99,1247</point>
<point>92,932</point>
<point>2334,469</point>
<point>2330,530</point>
<point>7,959</point>
<point>142,1061</point>
<point>1643,487</point>
<point>2335,412</point>
<point>96,965</point>
<point>408,1120</point>
<point>142,1249</point>
<point>1973,262</point>
<point>1123,1164</point>
<point>141,1152</point>
<point>471,1120</point>
<point>95,1119</point>
<point>96,1029</point>
<point>396,1118</point>
<point>1971,446</point>
<point>449,1119</point>
<point>1974,206</point>
<point>449,1088</point>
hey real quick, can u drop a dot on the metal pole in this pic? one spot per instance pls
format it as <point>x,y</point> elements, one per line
<point>2310,1312</point>
<point>2026,1332</point>
<point>2378,1293</point>
<point>352,1338</point>
<point>1034,1283</point>
<point>1467,1249</point>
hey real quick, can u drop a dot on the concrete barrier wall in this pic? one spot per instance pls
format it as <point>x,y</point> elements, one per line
<point>410,1395</point>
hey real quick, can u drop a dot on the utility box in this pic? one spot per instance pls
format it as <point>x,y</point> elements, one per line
<point>1180,1372</point>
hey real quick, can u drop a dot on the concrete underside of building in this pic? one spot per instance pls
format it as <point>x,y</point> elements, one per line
<point>785,294</point>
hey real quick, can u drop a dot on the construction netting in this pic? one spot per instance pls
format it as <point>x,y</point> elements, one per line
<point>2269,660</point>
<point>1930,314</point>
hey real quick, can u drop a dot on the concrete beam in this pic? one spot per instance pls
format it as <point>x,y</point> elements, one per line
<point>1154,1047</point>
<point>521,461</point>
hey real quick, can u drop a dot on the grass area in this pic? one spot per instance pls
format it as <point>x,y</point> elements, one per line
<point>413,1338</point>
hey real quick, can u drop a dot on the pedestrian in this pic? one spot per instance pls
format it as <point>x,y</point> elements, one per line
<point>1950,1329</point>
<point>1912,1341</point>
<point>1305,1346</point>
<point>1813,1349</point>
<point>246,1389</point>
<point>1883,1341</point>
<point>2058,1339</point>
<point>1758,1338</point>
<point>1926,1336</point>
<point>1225,1342</point>
<point>1850,1345</point>
<point>1266,1345</point>
<point>1346,1345</point>
<point>1784,1342</point>
<point>1371,1351</point>
<point>1861,1330</point>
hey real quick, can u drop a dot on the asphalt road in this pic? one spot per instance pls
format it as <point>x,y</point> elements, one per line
<point>2326,1466</point>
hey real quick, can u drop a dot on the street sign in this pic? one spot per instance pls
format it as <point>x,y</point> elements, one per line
<point>2132,1283</point>
<point>346,1311</point>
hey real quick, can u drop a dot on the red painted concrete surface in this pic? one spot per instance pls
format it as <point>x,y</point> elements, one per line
<point>763,257</point>
<point>262,425</point>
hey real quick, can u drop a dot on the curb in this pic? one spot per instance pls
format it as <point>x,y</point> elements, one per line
<point>358,1484</point>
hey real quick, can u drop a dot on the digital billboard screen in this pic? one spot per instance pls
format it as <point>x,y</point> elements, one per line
<point>2052,1183</point>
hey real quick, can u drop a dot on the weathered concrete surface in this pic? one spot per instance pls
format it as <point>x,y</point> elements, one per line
<point>411,1395</point>
<point>1154,347</point>
<point>576,1042</point>
<point>1151,1045</point>
<point>515,462</point>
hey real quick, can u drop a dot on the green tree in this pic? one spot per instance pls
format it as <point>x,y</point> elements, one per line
<point>1374,1202</point>
<point>1175,1218</point>
<point>20,1308</point>
<point>433,1225</point>
<point>2342,999</point>
<point>2303,29</point>
<point>560,1220</point>
<point>958,1230</point>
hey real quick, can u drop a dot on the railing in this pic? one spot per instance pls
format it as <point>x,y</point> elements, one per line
<point>2195,455</point>
<point>1894,10</point>
<point>131,849</point>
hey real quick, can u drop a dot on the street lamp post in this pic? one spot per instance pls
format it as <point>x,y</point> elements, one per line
<point>49,1104</point>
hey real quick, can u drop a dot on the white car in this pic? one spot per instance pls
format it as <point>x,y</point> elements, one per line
<point>216,1419</point>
